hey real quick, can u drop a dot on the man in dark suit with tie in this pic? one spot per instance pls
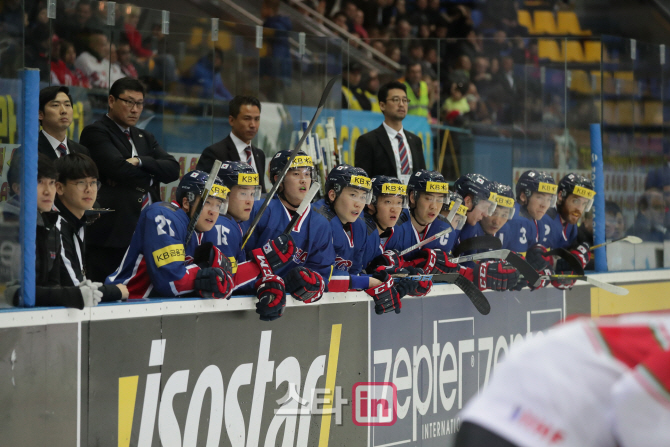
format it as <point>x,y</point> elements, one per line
<point>389,149</point>
<point>132,166</point>
<point>55,115</point>
<point>244,119</point>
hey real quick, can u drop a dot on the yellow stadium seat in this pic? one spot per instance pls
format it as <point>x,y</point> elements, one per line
<point>625,80</point>
<point>548,49</point>
<point>580,82</point>
<point>573,50</point>
<point>196,36</point>
<point>624,113</point>
<point>595,80</point>
<point>544,22</point>
<point>653,113</point>
<point>592,50</point>
<point>567,23</point>
<point>524,19</point>
<point>610,112</point>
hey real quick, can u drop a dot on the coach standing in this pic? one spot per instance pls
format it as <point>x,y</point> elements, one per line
<point>55,116</point>
<point>244,119</point>
<point>389,149</point>
<point>132,166</point>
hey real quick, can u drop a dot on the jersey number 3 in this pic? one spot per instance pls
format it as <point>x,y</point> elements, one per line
<point>161,221</point>
<point>523,239</point>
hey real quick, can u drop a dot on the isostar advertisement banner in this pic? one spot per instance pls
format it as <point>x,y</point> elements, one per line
<point>227,379</point>
<point>428,361</point>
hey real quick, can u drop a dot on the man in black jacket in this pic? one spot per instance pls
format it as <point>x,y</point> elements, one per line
<point>76,190</point>
<point>132,166</point>
<point>55,115</point>
<point>389,149</point>
<point>244,118</point>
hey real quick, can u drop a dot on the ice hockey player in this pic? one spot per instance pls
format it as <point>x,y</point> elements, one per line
<point>155,263</point>
<point>621,399</point>
<point>389,199</point>
<point>348,191</point>
<point>308,271</point>
<point>494,225</point>
<point>535,195</point>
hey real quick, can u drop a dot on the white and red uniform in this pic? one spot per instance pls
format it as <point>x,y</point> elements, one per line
<point>599,383</point>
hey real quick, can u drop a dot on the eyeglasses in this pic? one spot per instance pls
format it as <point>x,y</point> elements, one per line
<point>140,105</point>
<point>83,185</point>
<point>397,100</point>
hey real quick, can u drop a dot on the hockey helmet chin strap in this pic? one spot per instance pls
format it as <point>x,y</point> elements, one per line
<point>411,211</point>
<point>283,197</point>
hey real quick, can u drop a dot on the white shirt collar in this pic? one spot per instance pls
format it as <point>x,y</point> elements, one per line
<point>54,142</point>
<point>392,132</point>
<point>240,146</point>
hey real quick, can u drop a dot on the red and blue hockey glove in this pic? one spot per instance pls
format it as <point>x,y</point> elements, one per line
<point>433,262</point>
<point>497,275</point>
<point>274,254</point>
<point>208,255</point>
<point>214,282</point>
<point>389,261</point>
<point>271,295</point>
<point>424,286</point>
<point>305,285</point>
<point>385,296</point>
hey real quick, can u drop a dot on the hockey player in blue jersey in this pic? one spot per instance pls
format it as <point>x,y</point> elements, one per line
<point>155,263</point>
<point>348,191</point>
<point>308,272</point>
<point>389,199</point>
<point>495,224</point>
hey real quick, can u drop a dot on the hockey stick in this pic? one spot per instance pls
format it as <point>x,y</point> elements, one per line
<point>595,282</point>
<point>307,201</point>
<point>495,254</point>
<point>631,239</point>
<point>294,152</point>
<point>467,287</point>
<point>568,257</point>
<point>524,268</point>
<point>426,241</point>
<point>203,198</point>
<point>484,242</point>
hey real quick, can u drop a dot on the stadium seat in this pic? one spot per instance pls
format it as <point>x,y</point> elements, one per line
<point>580,82</point>
<point>653,113</point>
<point>544,23</point>
<point>610,112</point>
<point>572,49</point>
<point>567,23</point>
<point>524,19</point>
<point>548,49</point>
<point>196,36</point>
<point>626,83</point>
<point>624,112</point>
<point>592,51</point>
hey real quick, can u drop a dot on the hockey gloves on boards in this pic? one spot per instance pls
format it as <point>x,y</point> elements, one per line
<point>583,255</point>
<point>274,254</point>
<point>214,282</point>
<point>271,294</point>
<point>434,262</point>
<point>304,284</point>
<point>539,258</point>
<point>424,286</point>
<point>389,261</point>
<point>385,296</point>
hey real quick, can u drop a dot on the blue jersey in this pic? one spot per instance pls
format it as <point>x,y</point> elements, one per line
<point>405,235</point>
<point>356,244</point>
<point>556,233</point>
<point>227,236</point>
<point>312,237</point>
<point>155,263</point>
<point>521,232</point>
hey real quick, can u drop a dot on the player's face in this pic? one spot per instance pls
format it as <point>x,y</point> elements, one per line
<point>245,125</point>
<point>240,202</point>
<point>538,204</point>
<point>46,192</point>
<point>78,195</point>
<point>350,204</point>
<point>57,114</point>
<point>492,224</point>
<point>209,214</point>
<point>388,210</point>
<point>573,207</point>
<point>428,206</point>
<point>296,184</point>
<point>477,212</point>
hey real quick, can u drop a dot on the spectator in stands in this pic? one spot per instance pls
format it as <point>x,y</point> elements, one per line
<point>354,95</point>
<point>340,19</point>
<point>276,66</point>
<point>614,222</point>
<point>389,149</point>
<point>434,12</point>
<point>94,62</point>
<point>164,64</point>
<point>124,61</point>
<point>377,13</point>
<point>379,46</point>
<point>403,31</point>
<point>12,22</point>
<point>416,54</point>
<point>206,76</point>
<point>38,43</point>
<point>132,35</point>
<point>55,115</point>
<point>115,72</point>
<point>479,112</point>
<point>507,88</point>
<point>74,29</point>
<point>350,10</point>
<point>132,166</point>
<point>417,90</point>
<point>63,71</point>
<point>244,120</point>
<point>499,46</point>
<point>12,18</point>
<point>359,28</point>
<point>649,222</point>
<point>456,109</point>
<point>481,76</point>
<point>420,13</point>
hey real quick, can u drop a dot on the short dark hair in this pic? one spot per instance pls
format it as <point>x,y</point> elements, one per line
<point>49,94</point>
<point>612,208</point>
<point>45,168</point>
<point>238,101</point>
<point>125,84</point>
<point>74,167</point>
<point>384,89</point>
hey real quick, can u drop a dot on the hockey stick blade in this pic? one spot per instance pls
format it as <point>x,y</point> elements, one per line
<point>485,242</point>
<point>594,282</point>
<point>629,239</point>
<point>495,254</point>
<point>524,268</point>
<point>426,241</point>
<point>294,152</point>
<point>474,294</point>
<point>307,201</point>
<point>203,198</point>
<point>440,277</point>
<point>568,257</point>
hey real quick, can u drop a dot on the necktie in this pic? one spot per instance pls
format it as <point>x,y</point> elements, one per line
<point>62,150</point>
<point>404,157</point>
<point>247,151</point>
<point>127,132</point>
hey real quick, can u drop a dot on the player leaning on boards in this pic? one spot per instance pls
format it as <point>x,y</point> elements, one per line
<point>307,273</point>
<point>155,263</point>
<point>226,238</point>
<point>495,224</point>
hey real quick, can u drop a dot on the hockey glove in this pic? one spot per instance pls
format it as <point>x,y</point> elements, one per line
<point>90,293</point>
<point>386,297</point>
<point>274,254</point>
<point>424,286</point>
<point>271,295</point>
<point>305,285</point>
<point>434,262</point>
<point>389,261</point>
<point>208,255</point>
<point>539,258</point>
<point>583,255</point>
<point>543,282</point>
<point>497,275</point>
<point>405,286</point>
<point>214,282</point>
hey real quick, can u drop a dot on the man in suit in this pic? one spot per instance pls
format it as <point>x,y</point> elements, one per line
<point>55,115</point>
<point>389,149</point>
<point>132,166</point>
<point>244,118</point>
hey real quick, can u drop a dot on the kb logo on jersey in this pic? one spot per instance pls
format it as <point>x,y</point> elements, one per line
<point>342,264</point>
